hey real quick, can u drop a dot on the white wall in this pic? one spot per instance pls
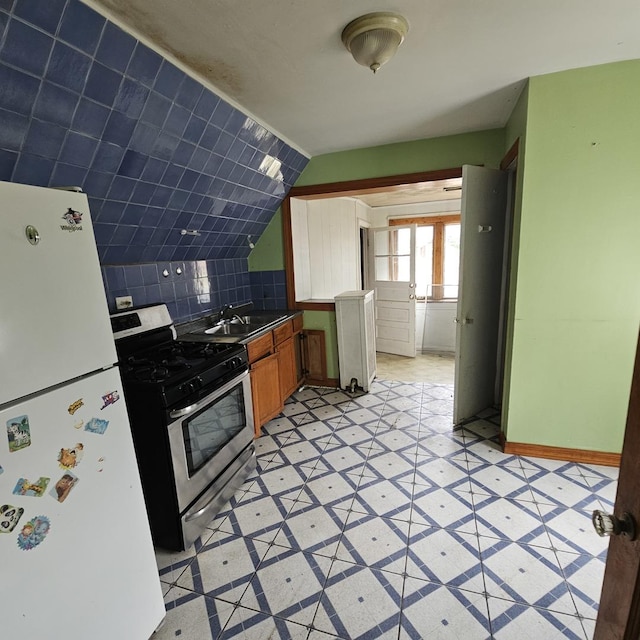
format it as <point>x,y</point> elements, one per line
<point>300,242</point>
<point>325,236</point>
<point>439,331</point>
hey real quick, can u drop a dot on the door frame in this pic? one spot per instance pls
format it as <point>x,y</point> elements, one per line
<point>334,190</point>
<point>509,164</point>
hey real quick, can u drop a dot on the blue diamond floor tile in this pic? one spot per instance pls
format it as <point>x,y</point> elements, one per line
<point>371,516</point>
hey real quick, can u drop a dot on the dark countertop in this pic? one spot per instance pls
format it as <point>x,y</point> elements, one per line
<point>194,331</point>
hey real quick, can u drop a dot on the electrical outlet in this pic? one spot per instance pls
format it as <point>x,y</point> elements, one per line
<point>124,302</point>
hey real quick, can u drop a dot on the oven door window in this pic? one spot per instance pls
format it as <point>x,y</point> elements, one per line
<point>210,430</point>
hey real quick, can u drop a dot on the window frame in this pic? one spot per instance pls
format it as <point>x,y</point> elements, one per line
<point>437,267</point>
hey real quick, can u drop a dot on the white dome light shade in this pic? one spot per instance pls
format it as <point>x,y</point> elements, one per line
<point>373,39</point>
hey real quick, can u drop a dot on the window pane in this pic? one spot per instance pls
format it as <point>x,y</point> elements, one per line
<point>451,260</point>
<point>392,260</point>
<point>402,241</point>
<point>393,268</point>
<point>424,260</point>
<point>392,242</point>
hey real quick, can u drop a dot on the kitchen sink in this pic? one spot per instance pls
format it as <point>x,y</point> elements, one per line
<point>229,329</point>
<point>259,319</point>
<point>243,325</point>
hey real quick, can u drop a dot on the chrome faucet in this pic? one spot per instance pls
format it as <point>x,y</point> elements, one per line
<point>223,311</point>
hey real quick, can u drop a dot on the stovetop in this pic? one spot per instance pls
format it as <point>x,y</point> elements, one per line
<point>176,371</point>
<point>171,362</point>
<point>153,361</point>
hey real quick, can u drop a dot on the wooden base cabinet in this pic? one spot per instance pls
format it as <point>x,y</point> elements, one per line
<point>287,369</point>
<point>265,390</point>
<point>273,368</point>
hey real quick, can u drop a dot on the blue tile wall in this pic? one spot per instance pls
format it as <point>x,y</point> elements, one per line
<point>84,103</point>
<point>268,289</point>
<point>189,288</point>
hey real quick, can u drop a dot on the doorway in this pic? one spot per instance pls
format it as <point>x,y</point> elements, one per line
<point>436,368</point>
<point>369,188</point>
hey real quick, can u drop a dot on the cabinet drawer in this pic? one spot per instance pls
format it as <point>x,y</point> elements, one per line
<point>260,347</point>
<point>283,332</point>
<point>297,324</point>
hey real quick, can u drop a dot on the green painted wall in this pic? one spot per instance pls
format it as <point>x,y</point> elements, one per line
<point>268,254</point>
<point>577,307</point>
<point>480,147</point>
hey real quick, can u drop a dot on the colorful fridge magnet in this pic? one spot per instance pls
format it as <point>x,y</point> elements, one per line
<point>63,487</point>
<point>109,398</point>
<point>73,219</point>
<point>1,469</point>
<point>9,516</point>
<point>19,433</point>
<point>34,532</point>
<point>70,458</point>
<point>95,425</point>
<point>74,406</point>
<point>35,489</point>
<point>79,424</point>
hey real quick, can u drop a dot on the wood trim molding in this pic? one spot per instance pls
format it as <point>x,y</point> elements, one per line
<point>510,156</point>
<point>314,306</point>
<point>371,185</point>
<point>425,220</point>
<point>287,246</point>
<point>604,458</point>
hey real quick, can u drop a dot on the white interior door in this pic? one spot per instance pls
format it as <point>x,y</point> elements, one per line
<point>483,210</point>
<point>393,265</point>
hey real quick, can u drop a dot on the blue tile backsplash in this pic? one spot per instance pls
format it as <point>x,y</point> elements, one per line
<point>268,289</point>
<point>84,103</point>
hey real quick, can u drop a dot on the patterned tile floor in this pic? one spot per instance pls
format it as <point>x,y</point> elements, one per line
<point>371,517</point>
<point>425,367</point>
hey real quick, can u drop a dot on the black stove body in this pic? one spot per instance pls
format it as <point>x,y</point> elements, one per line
<point>190,410</point>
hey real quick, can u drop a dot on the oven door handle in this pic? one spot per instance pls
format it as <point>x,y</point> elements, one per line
<point>240,462</point>
<point>185,411</point>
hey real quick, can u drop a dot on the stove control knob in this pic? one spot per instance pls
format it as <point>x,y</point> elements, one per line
<point>234,363</point>
<point>197,383</point>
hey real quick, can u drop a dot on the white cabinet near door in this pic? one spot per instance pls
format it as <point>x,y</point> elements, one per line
<point>355,323</point>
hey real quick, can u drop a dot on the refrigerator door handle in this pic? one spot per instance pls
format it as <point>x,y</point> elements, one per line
<point>185,411</point>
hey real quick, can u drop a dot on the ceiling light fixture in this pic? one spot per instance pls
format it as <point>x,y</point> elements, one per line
<point>373,39</point>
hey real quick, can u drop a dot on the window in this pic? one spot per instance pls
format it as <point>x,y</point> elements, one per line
<point>437,255</point>
<point>392,255</point>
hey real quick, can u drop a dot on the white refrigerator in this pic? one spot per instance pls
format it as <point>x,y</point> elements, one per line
<point>76,556</point>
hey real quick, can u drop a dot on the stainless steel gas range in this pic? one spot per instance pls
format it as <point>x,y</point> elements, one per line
<point>190,411</point>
